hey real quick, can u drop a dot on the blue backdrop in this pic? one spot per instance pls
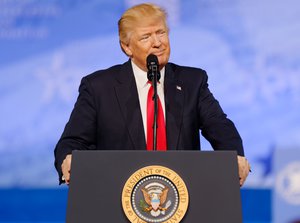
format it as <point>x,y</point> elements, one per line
<point>250,49</point>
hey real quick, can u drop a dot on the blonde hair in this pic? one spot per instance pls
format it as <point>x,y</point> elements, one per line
<point>134,15</point>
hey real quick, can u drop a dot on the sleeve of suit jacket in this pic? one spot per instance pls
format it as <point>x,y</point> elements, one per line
<point>83,110</point>
<point>216,127</point>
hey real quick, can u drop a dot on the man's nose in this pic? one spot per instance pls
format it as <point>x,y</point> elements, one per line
<point>156,41</point>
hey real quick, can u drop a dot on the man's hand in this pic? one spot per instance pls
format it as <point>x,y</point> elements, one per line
<point>66,168</point>
<point>244,169</point>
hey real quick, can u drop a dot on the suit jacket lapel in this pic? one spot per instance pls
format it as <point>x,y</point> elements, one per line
<point>127,95</point>
<point>174,101</point>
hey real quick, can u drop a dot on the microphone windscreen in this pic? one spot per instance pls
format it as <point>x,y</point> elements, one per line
<point>152,60</point>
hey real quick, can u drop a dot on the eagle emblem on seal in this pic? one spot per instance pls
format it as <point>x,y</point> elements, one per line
<point>155,197</point>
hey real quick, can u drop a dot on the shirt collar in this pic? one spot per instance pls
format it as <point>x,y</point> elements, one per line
<point>141,78</point>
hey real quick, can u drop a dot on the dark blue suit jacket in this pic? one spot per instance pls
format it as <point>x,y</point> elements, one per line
<point>107,114</point>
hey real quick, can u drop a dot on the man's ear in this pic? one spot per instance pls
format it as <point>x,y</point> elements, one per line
<point>126,49</point>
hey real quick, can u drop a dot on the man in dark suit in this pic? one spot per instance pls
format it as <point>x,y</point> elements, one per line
<point>111,109</point>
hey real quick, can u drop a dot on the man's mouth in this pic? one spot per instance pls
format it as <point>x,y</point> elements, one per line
<point>159,53</point>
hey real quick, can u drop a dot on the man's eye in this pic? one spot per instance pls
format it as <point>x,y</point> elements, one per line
<point>145,38</point>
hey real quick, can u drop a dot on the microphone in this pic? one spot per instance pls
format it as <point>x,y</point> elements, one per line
<point>153,67</point>
<point>153,76</point>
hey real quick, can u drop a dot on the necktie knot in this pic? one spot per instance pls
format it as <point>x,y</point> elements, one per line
<point>150,82</point>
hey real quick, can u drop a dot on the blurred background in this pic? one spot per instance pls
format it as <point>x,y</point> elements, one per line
<point>250,50</point>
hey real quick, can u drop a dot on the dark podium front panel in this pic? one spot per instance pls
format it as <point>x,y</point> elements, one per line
<point>98,178</point>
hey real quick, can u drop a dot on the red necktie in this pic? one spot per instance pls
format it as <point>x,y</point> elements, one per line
<point>161,129</point>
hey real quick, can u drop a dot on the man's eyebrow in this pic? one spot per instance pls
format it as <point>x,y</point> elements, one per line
<point>161,30</point>
<point>145,34</point>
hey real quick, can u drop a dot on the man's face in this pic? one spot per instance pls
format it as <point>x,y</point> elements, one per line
<point>148,39</point>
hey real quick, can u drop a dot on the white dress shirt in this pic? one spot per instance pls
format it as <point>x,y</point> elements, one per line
<point>143,88</point>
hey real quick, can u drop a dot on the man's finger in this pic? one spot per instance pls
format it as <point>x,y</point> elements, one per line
<point>244,168</point>
<point>66,168</point>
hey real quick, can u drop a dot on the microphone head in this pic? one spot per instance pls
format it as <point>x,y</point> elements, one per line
<point>153,67</point>
<point>152,60</point>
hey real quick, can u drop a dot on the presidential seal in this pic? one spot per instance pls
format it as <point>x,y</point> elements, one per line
<point>155,194</point>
